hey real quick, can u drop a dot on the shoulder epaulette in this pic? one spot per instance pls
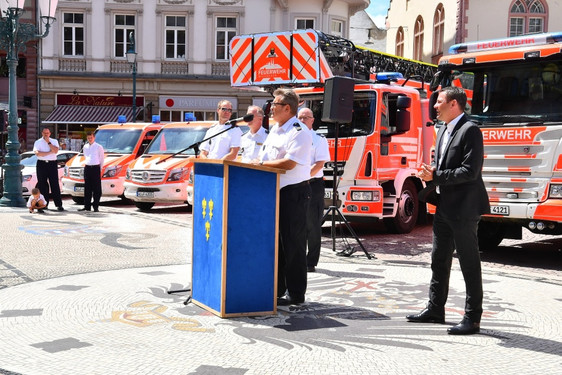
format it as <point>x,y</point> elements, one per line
<point>298,126</point>
<point>266,131</point>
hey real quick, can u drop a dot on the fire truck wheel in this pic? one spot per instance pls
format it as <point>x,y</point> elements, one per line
<point>78,200</point>
<point>407,212</point>
<point>144,206</point>
<point>490,235</point>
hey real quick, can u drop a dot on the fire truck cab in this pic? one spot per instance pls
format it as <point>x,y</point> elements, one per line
<point>380,150</point>
<point>517,102</point>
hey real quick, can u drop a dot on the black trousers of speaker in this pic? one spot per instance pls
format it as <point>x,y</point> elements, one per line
<point>338,100</point>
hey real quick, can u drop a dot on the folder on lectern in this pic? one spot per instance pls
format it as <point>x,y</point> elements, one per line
<point>235,231</point>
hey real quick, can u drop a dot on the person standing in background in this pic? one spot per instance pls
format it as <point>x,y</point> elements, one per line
<point>92,173</point>
<point>320,154</point>
<point>46,149</point>
<point>252,141</point>
<point>226,145</point>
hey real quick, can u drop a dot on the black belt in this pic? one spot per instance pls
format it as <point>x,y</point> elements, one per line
<point>47,161</point>
<point>294,186</point>
<point>317,179</point>
<point>92,165</point>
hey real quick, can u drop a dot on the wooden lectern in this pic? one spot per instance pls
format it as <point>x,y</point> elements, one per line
<point>235,231</point>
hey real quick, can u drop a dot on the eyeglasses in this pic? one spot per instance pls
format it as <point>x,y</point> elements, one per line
<point>278,103</point>
<point>304,117</point>
<point>226,109</point>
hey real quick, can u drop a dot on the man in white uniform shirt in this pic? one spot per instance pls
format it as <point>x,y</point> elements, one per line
<point>226,145</point>
<point>46,149</point>
<point>252,141</point>
<point>93,152</point>
<point>320,154</point>
<point>288,146</point>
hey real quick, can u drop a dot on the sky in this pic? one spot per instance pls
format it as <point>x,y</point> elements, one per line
<point>377,10</point>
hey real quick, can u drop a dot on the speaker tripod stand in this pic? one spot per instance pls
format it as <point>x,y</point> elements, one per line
<point>335,211</point>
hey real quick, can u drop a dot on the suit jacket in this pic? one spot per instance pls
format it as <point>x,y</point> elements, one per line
<point>459,177</point>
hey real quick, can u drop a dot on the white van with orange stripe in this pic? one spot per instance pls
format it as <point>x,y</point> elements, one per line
<point>161,174</point>
<point>122,143</point>
<point>516,89</point>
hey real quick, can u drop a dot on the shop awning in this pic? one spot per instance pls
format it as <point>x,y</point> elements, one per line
<point>88,114</point>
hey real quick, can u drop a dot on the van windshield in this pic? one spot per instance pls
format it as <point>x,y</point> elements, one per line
<point>172,140</point>
<point>362,121</point>
<point>118,141</point>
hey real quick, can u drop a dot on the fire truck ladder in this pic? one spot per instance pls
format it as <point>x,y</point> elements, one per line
<point>345,59</point>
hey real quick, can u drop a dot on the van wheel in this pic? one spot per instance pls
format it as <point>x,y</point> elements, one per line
<point>78,200</point>
<point>407,213</point>
<point>490,235</point>
<point>144,206</point>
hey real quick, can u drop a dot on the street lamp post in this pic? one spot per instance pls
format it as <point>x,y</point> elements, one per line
<point>13,37</point>
<point>132,59</point>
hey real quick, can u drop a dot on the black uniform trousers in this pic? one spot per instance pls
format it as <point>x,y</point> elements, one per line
<point>461,235</point>
<point>48,175</point>
<point>291,271</point>
<point>314,221</point>
<point>92,186</point>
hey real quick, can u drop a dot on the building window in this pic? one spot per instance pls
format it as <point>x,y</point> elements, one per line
<point>336,28</point>
<point>175,37</point>
<point>124,25</point>
<point>438,30</point>
<point>225,31</point>
<point>304,23</point>
<point>527,17</point>
<point>73,34</point>
<point>400,42</point>
<point>418,39</point>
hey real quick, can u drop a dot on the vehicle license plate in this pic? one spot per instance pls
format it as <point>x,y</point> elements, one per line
<point>145,194</point>
<point>328,194</point>
<point>79,189</point>
<point>500,210</point>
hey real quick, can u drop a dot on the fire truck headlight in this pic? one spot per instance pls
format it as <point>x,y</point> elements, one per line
<point>365,196</point>
<point>555,191</point>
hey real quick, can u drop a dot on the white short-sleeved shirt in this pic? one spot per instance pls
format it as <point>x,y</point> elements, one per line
<point>320,151</point>
<point>292,141</point>
<point>251,144</point>
<point>42,146</point>
<point>93,153</point>
<point>220,145</point>
<point>31,197</point>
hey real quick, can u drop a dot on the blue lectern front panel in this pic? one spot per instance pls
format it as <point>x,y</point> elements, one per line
<point>208,234</point>
<point>251,241</point>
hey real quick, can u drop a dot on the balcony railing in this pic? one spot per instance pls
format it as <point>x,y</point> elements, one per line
<point>72,65</point>
<point>174,67</point>
<point>220,69</point>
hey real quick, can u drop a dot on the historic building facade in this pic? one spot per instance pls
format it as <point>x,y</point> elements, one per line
<point>182,62</point>
<point>425,29</point>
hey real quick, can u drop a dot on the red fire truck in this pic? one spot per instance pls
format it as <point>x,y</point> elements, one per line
<point>380,151</point>
<point>517,102</point>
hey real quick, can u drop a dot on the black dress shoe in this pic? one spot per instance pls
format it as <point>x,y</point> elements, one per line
<point>287,300</point>
<point>84,209</point>
<point>311,269</point>
<point>96,210</point>
<point>60,208</point>
<point>426,316</point>
<point>465,327</point>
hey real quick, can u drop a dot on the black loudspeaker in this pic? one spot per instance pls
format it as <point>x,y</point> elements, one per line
<point>338,100</point>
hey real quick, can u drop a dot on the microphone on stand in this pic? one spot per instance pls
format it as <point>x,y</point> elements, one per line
<point>249,117</point>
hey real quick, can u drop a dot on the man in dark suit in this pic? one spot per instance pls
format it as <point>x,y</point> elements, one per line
<point>461,198</point>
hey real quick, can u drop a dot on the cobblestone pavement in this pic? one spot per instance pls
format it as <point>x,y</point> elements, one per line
<point>87,293</point>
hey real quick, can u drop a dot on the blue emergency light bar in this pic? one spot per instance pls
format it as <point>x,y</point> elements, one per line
<point>190,116</point>
<point>388,76</point>
<point>122,119</point>
<point>520,41</point>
